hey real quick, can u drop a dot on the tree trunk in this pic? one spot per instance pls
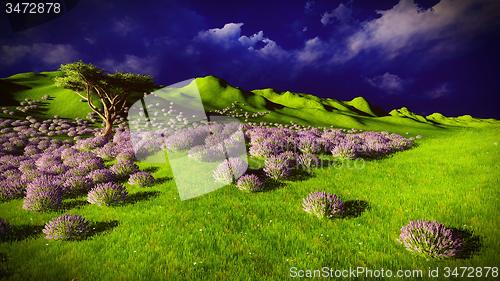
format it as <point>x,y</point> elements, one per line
<point>108,128</point>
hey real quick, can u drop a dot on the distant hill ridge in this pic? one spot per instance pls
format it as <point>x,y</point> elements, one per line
<point>216,94</point>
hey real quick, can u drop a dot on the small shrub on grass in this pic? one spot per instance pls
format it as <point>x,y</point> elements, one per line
<point>76,185</point>
<point>4,228</point>
<point>307,161</point>
<point>249,183</point>
<point>107,194</point>
<point>279,166</point>
<point>66,227</point>
<point>123,170</point>
<point>101,176</point>
<point>323,205</point>
<point>11,189</point>
<point>43,194</point>
<point>229,170</point>
<point>430,239</point>
<point>141,179</point>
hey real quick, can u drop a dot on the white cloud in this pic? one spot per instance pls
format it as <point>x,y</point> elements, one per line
<point>225,36</point>
<point>271,49</point>
<point>341,14</point>
<point>230,36</point>
<point>132,63</point>
<point>123,26</point>
<point>440,91</point>
<point>407,26</point>
<point>49,54</point>
<point>252,40</point>
<point>389,83</point>
<point>313,50</point>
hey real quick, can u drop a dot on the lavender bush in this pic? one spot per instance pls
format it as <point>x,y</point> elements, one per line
<point>101,176</point>
<point>141,179</point>
<point>307,161</point>
<point>323,205</point>
<point>76,186</point>
<point>43,194</point>
<point>12,189</point>
<point>279,166</point>
<point>66,227</point>
<point>430,239</point>
<point>123,169</point>
<point>249,183</point>
<point>107,194</point>
<point>229,170</point>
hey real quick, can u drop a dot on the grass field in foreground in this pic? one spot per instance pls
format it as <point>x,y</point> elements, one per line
<point>451,176</point>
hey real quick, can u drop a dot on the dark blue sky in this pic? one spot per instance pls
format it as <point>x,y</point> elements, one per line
<point>432,56</point>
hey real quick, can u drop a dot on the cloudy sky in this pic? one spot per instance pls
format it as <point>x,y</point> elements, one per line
<point>427,55</point>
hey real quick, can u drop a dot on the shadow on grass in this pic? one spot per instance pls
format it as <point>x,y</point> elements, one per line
<point>73,203</point>
<point>471,243</point>
<point>355,208</point>
<point>102,227</point>
<point>162,180</point>
<point>141,196</point>
<point>22,232</point>
<point>300,175</point>
<point>150,169</point>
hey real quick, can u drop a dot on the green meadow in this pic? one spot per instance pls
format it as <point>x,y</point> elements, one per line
<point>452,175</point>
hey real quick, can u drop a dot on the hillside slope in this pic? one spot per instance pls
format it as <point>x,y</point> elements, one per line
<point>217,94</point>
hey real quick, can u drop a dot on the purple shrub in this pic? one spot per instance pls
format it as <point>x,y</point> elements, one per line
<point>309,143</point>
<point>91,164</point>
<point>76,186</point>
<point>67,227</point>
<point>91,143</point>
<point>101,176</point>
<point>141,179</point>
<point>44,193</point>
<point>279,166</point>
<point>430,239</point>
<point>12,189</point>
<point>323,205</point>
<point>347,150</point>
<point>250,183</point>
<point>229,170</point>
<point>307,161</point>
<point>107,194</point>
<point>124,169</point>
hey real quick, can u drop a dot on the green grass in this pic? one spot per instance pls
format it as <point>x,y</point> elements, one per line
<point>452,176</point>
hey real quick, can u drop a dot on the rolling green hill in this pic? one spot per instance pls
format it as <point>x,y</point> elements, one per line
<point>216,94</point>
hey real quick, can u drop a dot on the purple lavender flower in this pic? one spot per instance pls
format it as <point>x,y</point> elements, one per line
<point>309,143</point>
<point>323,205</point>
<point>141,179</point>
<point>76,186</point>
<point>91,143</point>
<point>122,170</point>
<point>67,227</point>
<point>430,239</point>
<point>44,193</point>
<point>229,170</point>
<point>12,189</point>
<point>101,176</point>
<point>279,166</point>
<point>307,161</point>
<point>107,194</point>
<point>249,183</point>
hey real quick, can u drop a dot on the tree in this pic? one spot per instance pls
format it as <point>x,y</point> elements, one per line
<point>114,91</point>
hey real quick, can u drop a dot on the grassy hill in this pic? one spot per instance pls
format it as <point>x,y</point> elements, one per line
<point>216,94</point>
